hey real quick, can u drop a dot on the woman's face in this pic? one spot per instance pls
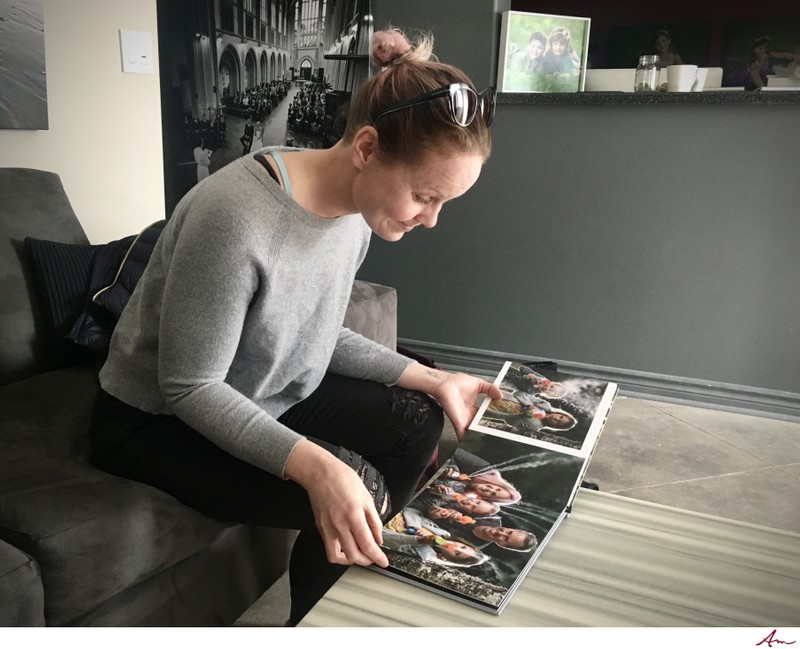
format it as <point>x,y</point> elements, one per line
<point>458,551</point>
<point>396,198</point>
<point>477,506</point>
<point>558,419</point>
<point>490,491</point>
<point>662,43</point>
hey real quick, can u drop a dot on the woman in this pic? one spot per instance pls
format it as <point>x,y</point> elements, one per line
<point>230,382</point>
<point>759,67</point>
<point>758,64</point>
<point>667,54</point>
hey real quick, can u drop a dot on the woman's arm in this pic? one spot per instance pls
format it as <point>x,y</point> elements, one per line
<point>343,508</point>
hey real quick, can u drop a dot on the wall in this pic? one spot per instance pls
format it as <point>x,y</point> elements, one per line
<point>656,244</point>
<point>104,139</point>
<point>469,30</point>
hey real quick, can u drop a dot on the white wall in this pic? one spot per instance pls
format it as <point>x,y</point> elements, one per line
<point>104,139</point>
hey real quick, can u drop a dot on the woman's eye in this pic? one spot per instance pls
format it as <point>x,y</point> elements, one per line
<point>422,199</point>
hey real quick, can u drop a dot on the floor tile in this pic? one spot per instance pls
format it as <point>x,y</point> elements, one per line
<point>766,497</point>
<point>792,469</point>
<point>643,446</point>
<point>772,440</point>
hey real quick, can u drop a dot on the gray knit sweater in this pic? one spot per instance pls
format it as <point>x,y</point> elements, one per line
<point>239,312</point>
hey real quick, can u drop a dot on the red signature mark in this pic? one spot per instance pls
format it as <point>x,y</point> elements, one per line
<point>771,639</point>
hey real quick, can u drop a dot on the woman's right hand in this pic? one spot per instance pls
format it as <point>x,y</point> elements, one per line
<point>343,508</point>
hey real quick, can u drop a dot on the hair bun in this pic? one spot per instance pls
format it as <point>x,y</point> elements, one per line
<point>387,45</point>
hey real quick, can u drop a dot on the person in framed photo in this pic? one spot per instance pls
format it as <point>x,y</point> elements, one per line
<point>530,58</point>
<point>560,58</point>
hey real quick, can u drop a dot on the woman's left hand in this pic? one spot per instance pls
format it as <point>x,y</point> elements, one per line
<point>457,393</point>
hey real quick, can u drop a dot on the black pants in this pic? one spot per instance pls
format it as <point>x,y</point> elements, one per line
<point>394,429</point>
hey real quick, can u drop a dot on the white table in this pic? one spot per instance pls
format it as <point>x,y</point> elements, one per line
<point>614,562</point>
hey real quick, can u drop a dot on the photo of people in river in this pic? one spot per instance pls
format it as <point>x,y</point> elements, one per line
<point>554,408</point>
<point>475,529</point>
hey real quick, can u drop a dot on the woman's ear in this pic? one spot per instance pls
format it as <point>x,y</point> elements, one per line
<point>364,146</point>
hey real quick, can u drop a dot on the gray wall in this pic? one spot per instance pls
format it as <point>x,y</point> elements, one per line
<point>466,32</point>
<point>654,243</point>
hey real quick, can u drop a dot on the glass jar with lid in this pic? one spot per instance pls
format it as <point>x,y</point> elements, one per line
<point>647,74</point>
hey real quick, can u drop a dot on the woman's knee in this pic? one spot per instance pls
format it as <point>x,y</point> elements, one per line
<point>413,406</point>
<point>421,416</point>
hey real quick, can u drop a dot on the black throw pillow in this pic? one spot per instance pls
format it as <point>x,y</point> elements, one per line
<point>61,271</point>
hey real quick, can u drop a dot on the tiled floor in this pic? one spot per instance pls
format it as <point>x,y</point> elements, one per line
<point>736,466</point>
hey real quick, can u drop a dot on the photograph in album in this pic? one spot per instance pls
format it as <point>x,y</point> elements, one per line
<point>478,525</point>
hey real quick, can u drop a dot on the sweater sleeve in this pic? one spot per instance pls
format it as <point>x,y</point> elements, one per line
<point>361,358</point>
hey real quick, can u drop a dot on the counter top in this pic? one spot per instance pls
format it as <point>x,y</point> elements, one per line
<point>614,562</point>
<point>708,97</point>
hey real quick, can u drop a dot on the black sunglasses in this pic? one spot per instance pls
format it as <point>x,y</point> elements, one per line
<point>464,103</point>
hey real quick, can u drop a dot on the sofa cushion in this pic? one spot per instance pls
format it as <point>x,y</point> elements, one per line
<point>92,534</point>
<point>21,593</point>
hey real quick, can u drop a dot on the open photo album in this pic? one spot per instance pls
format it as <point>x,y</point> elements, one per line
<point>478,525</point>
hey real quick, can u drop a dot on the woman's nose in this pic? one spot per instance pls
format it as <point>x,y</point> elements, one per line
<point>429,217</point>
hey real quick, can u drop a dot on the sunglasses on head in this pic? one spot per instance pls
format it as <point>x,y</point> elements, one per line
<point>463,101</point>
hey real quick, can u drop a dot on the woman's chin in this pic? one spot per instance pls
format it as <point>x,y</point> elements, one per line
<point>391,237</point>
<point>392,234</point>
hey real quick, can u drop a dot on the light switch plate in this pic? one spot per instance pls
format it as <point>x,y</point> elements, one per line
<point>137,51</point>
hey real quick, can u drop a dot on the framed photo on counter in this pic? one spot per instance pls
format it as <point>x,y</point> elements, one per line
<point>542,52</point>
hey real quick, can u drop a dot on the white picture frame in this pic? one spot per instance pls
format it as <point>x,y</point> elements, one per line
<point>542,53</point>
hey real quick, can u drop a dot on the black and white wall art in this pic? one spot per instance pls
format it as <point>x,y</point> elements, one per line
<point>23,84</point>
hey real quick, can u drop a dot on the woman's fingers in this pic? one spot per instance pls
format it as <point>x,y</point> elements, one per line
<point>355,543</point>
<point>343,508</point>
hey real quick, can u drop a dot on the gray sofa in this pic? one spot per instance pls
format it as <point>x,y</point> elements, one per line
<point>79,546</point>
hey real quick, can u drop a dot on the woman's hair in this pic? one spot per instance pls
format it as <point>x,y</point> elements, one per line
<point>408,71</point>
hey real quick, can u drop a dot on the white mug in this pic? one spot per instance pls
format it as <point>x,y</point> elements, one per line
<point>698,86</point>
<point>681,78</point>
